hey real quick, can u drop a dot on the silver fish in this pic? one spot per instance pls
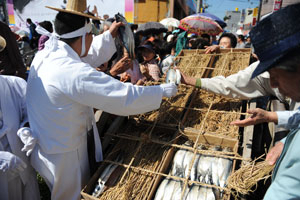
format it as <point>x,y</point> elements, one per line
<point>161,189</point>
<point>193,193</point>
<point>214,167</point>
<point>173,76</point>
<point>100,187</point>
<point>225,167</point>
<point>178,186</point>
<point>187,161</point>
<point>169,189</point>
<point>193,175</point>
<point>210,194</point>
<point>204,168</point>
<point>202,193</point>
<point>177,167</point>
<point>126,36</point>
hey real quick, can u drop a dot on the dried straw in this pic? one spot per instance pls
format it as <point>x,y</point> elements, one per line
<point>171,109</point>
<point>244,179</point>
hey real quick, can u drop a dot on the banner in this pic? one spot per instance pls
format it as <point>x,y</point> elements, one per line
<point>129,10</point>
<point>36,10</point>
<point>277,5</point>
<point>10,12</point>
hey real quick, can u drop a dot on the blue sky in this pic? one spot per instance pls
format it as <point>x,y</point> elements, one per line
<point>219,7</point>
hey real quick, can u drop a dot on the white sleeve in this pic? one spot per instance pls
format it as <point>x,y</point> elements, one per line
<point>98,90</point>
<point>102,49</point>
<point>289,119</point>
<point>239,85</point>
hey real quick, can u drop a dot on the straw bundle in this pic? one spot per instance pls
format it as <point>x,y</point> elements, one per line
<point>194,64</point>
<point>133,183</point>
<point>230,63</point>
<point>221,110</point>
<point>243,180</point>
<point>171,109</point>
<point>215,122</point>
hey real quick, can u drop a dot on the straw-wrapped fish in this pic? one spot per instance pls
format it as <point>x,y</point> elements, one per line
<point>126,36</point>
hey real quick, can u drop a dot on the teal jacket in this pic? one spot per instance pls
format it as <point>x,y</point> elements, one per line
<point>286,175</point>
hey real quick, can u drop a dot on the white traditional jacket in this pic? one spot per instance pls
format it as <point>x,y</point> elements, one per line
<point>13,116</point>
<point>240,85</point>
<point>62,89</point>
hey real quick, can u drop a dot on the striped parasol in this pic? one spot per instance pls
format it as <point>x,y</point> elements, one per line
<point>200,25</point>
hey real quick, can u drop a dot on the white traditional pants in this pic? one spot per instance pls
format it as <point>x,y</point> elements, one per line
<point>65,173</point>
<point>11,185</point>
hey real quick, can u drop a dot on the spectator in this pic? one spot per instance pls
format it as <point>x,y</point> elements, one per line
<point>11,62</point>
<point>34,36</point>
<point>240,41</point>
<point>149,67</point>
<point>47,26</point>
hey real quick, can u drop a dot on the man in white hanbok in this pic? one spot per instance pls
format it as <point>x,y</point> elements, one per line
<point>17,178</point>
<point>61,92</point>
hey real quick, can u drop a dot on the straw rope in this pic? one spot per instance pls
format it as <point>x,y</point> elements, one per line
<point>244,179</point>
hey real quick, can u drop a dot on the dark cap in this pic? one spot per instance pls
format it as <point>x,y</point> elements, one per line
<point>146,46</point>
<point>275,36</point>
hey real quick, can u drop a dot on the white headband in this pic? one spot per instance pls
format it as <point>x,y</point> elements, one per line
<point>77,33</point>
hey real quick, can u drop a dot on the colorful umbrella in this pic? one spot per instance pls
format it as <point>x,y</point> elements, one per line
<point>151,28</point>
<point>200,25</point>
<point>170,22</point>
<point>212,17</point>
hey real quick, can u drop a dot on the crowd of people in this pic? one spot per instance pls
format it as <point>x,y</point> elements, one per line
<point>44,120</point>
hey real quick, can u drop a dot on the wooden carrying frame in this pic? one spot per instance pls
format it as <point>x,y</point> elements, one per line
<point>146,138</point>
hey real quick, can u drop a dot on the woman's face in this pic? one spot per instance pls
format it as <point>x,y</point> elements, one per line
<point>225,42</point>
<point>147,54</point>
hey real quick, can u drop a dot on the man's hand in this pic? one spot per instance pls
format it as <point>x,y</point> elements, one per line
<point>102,67</point>
<point>125,77</point>
<point>121,66</point>
<point>188,80</point>
<point>212,49</point>
<point>113,29</point>
<point>10,162</point>
<point>274,153</point>
<point>258,116</point>
<point>145,71</point>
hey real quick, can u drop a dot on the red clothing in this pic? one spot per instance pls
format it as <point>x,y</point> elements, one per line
<point>153,68</point>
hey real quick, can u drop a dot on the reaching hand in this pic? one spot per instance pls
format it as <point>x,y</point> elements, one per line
<point>113,29</point>
<point>258,116</point>
<point>125,77</point>
<point>10,162</point>
<point>274,153</point>
<point>212,49</point>
<point>121,66</point>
